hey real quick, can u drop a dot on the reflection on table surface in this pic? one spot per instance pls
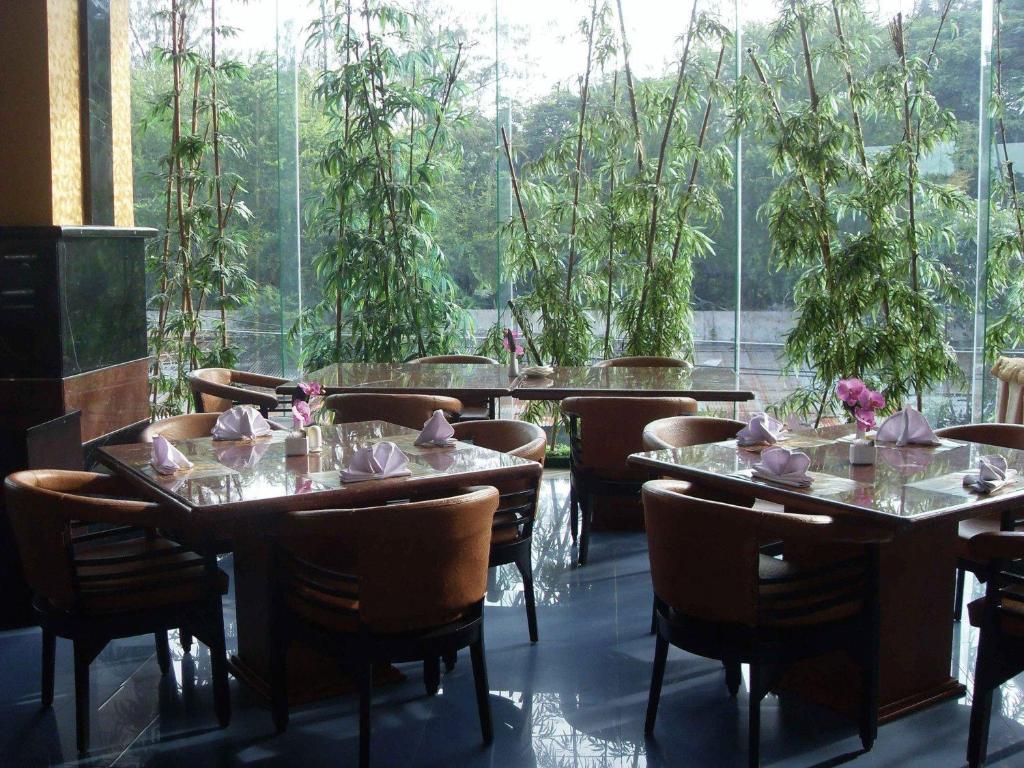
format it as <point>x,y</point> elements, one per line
<point>238,471</point>
<point>912,482</point>
<point>703,382</point>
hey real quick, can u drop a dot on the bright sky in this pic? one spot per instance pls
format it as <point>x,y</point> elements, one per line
<point>553,52</point>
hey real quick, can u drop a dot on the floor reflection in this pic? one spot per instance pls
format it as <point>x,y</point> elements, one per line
<point>577,698</point>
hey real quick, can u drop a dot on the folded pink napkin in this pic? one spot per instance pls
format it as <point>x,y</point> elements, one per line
<point>243,422</point>
<point>245,456</point>
<point>992,475</point>
<point>908,427</point>
<point>762,430</point>
<point>437,431</point>
<point>781,465</point>
<point>376,463</point>
<point>167,459</point>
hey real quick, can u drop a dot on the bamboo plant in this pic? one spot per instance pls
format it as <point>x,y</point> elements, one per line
<point>199,259</point>
<point>869,234</point>
<point>389,100</point>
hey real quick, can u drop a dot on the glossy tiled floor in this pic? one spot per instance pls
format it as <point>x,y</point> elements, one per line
<point>577,698</point>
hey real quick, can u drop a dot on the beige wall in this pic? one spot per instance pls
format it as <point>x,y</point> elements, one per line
<point>40,113</point>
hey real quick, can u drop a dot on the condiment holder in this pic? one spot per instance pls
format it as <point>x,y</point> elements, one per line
<point>862,451</point>
<point>302,441</point>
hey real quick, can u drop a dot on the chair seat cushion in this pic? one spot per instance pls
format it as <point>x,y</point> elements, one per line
<point>504,532</point>
<point>795,598</point>
<point>1011,615</point>
<point>333,612</point>
<point>474,412</point>
<point>141,573</point>
<point>972,527</point>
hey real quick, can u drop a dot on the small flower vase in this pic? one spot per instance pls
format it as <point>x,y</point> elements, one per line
<point>296,443</point>
<point>513,367</point>
<point>862,450</point>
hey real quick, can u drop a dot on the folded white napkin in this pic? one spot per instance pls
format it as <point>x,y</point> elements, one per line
<point>781,465</point>
<point>437,431</point>
<point>908,427</point>
<point>243,422</point>
<point>992,475</point>
<point>376,463</point>
<point>167,459</point>
<point>762,430</point>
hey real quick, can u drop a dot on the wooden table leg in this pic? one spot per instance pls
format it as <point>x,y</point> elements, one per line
<point>917,571</point>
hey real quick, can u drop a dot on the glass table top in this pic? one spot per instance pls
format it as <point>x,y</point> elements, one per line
<point>702,383</point>
<point>256,475</point>
<point>907,484</point>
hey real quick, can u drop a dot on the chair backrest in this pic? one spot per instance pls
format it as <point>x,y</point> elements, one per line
<point>706,561</point>
<point>42,504</point>
<point>643,361</point>
<point>417,564</point>
<point>1003,435</point>
<point>216,389</point>
<point>518,438</point>
<point>517,505</point>
<point>680,431</point>
<point>211,399</point>
<point>185,427</point>
<point>604,431</point>
<point>56,444</point>
<point>454,359</point>
<point>406,410</point>
<point>1009,373</point>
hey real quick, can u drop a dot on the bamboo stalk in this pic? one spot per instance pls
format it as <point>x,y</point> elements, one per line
<point>215,122</point>
<point>631,90</point>
<point>662,152</point>
<point>684,205</point>
<point>342,194</point>
<point>848,72</point>
<point>577,170</point>
<point>611,228</point>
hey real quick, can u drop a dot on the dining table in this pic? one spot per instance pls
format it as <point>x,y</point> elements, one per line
<point>917,492</point>
<point>484,380</point>
<point>236,491</point>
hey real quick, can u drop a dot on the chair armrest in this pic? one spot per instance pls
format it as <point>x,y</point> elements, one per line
<point>840,530</point>
<point>143,514</point>
<point>1001,545</point>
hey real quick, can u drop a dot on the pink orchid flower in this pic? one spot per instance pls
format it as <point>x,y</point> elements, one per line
<point>312,388</point>
<point>865,418</point>
<point>849,390</point>
<point>870,400</point>
<point>301,414</point>
<point>515,338</point>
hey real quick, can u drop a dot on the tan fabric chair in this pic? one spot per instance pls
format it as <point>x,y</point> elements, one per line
<point>94,585</point>
<point>473,409</point>
<point>603,432</point>
<point>187,426</point>
<point>338,588</point>
<point>1000,617</point>
<point>410,411</point>
<point>512,537</point>
<point>717,596</point>
<point>454,360</point>
<point>1005,436</point>
<point>644,361</point>
<point>217,389</point>
<point>1009,374</point>
<point>680,431</point>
